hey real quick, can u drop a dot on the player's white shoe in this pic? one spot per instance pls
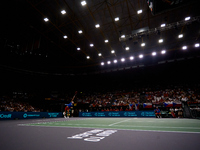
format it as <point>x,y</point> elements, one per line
<point>65,117</point>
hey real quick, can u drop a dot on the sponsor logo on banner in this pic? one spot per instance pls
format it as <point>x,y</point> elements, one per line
<point>53,115</point>
<point>93,135</point>
<point>5,116</point>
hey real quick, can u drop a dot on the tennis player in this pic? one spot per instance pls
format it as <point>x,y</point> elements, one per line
<point>68,106</point>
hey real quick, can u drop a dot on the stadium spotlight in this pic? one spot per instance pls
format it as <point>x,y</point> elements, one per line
<point>139,11</point>
<point>180,36</point>
<point>106,41</point>
<point>63,12</point>
<point>97,25</point>
<point>80,31</point>
<point>153,53</point>
<point>196,45</point>
<point>160,40</point>
<point>64,36</point>
<point>115,61</point>
<point>100,54</point>
<point>163,51</point>
<point>83,3</point>
<point>102,63</point>
<point>123,36</point>
<point>78,48</point>
<point>46,19</point>
<point>127,48</point>
<point>91,45</point>
<point>162,25</point>
<point>131,57</point>
<point>108,62</point>
<point>140,56</point>
<point>143,44</point>
<point>88,57</point>
<point>123,59</point>
<point>187,18</point>
<point>113,51</point>
<point>184,47</point>
<point>117,19</point>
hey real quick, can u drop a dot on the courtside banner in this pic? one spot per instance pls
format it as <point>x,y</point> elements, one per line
<point>28,115</point>
<point>118,114</point>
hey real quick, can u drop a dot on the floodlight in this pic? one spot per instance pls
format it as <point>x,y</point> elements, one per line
<point>184,47</point>
<point>113,51</point>
<point>102,63</point>
<point>127,48</point>
<point>187,18</point>
<point>115,61</point>
<point>140,56</point>
<point>163,51</point>
<point>123,59</point>
<point>88,57</point>
<point>80,31</point>
<point>106,41</point>
<point>162,25</point>
<point>143,44</point>
<point>117,19</point>
<point>108,62</point>
<point>196,45</point>
<point>83,3</point>
<point>91,45</point>
<point>160,40</point>
<point>97,25</point>
<point>153,53</point>
<point>100,54</point>
<point>64,36</point>
<point>180,35</point>
<point>139,11</point>
<point>46,19</point>
<point>63,12</point>
<point>78,48</point>
<point>131,57</point>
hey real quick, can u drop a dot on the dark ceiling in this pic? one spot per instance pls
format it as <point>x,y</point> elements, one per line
<point>29,44</point>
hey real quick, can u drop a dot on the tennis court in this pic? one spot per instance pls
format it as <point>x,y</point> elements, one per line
<point>152,124</point>
<point>100,133</point>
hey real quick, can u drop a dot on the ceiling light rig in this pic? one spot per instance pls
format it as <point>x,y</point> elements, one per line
<point>127,48</point>
<point>163,51</point>
<point>63,12</point>
<point>91,45</point>
<point>113,51</point>
<point>184,47</point>
<point>46,19</point>
<point>160,40</point>
<point>196,45</point>
<point>139,11</point>
<point>65,37</point>
<point>161,28</point>
<point>88,57</point>
<point>83,3</point>
<point>180,36</point>
<point>80,31</point>
<point>99,54</point>
<point>142,44</point>
<point>97,25</point>
<point>106,41</point>
<point>117,19</point>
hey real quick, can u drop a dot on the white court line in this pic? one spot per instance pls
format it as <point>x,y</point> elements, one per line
<point>112,128</point>
<point>119,122</point>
